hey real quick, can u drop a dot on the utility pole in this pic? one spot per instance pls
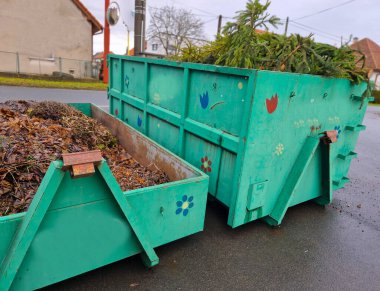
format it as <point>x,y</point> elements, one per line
<point>139,27</point>
<point>106,49</point>
<point>286,25</point>
<point>219,24</point>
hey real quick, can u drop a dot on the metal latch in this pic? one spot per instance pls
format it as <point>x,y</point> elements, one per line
<point>256,195</point>
<point>81,164</point>
<point>329,136</point>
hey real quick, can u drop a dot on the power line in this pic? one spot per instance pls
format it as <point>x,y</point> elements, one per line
<point>188,37</point>
<point>308,30</point>
<point>316,29</point>
<point>200,15</point>
<point>211,20</point>
<point>209,14</point>
<point>195,8</point>
<point>325,10</point>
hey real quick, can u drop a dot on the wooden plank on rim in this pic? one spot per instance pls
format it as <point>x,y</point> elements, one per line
<point>82,158</point>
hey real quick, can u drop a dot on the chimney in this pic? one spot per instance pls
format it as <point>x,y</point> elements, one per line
<point>355,39</point>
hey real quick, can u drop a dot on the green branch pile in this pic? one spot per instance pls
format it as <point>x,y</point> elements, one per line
<point>241,45</point>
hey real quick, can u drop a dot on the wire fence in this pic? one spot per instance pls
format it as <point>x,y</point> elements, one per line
<point>17,63</point>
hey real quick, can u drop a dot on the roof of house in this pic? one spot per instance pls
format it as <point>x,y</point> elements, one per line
<point>100,55</point>
<point>260,31</point>
<point>96,25</point>
<point>371,50</point>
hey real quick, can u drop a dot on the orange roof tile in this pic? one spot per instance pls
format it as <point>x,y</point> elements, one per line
<point>100,55</point>
<point>371,50</point>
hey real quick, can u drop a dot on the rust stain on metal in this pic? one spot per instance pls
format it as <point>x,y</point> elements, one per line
<point>83,170</point>
<point>330,136</point>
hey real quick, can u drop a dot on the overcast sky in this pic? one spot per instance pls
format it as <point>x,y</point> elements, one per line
<point>357,17</point>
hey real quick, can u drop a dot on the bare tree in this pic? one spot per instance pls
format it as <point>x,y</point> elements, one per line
<point>173,28</point>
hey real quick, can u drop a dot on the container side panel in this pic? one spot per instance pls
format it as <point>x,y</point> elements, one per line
<point>217,100</point>
<point>310,186</point>
<point>85,108</point>
<point>144,150</point>
<point>7,229</point>
<point>172,212</point>
<point>133,116</point>
<point>115,67</point>
<point>205,156</point>
<point>287,109</point>
<point>134,79</point>
<point>96,232</point>
<point>85,192</point>
<point>164,133</point>
<point>76,238</point>
<point>115,107</point>
<point>226,174</point>
<point>166,87</point>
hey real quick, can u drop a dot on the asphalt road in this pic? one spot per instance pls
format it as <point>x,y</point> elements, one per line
<point>61,95</point>
<point>332,248</point>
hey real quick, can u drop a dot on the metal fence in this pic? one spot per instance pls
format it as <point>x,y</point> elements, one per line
<point>14,62</point>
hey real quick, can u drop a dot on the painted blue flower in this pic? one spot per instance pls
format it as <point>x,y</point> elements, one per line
<point>126,81</point>
<point>337,128</point>
<point>184,205</point>
<point>204,99</point>
<point>139,121</point>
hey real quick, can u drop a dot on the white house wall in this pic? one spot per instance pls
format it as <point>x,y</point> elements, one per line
<point>46,29</point>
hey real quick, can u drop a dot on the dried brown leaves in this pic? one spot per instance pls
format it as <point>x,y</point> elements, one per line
<point>34,134</point>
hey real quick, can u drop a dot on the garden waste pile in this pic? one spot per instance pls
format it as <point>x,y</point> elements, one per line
<point>244,44</point>
<point>33,134</point>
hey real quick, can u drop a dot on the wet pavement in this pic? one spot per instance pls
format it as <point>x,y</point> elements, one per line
<point>316,248</point>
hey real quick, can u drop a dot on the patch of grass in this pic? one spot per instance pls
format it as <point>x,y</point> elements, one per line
<point>373,104</point>
<point>60,84</point>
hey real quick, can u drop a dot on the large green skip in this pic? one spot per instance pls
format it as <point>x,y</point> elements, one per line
<point>78,224</point>
<point>259,135</point>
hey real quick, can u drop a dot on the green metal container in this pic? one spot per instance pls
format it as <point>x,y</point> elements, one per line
<point>77,225</point>
<point>257,134</point>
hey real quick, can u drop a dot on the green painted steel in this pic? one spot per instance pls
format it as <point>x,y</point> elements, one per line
<point>85,108</point>
<point>253,132</point>
<point>77,225</point>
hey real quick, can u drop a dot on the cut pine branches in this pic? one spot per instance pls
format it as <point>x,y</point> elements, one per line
<point>241,45</point>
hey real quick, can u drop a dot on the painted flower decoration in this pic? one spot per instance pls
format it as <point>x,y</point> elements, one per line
<point>299,123</point>
<point>117,112</point>
<point>279,149</point>
<point>272,104</point>
<point>337,128</point>
<point>203,98</point>
<point>184,205</point>
<point>139,121</point>
<point>206,165</point>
